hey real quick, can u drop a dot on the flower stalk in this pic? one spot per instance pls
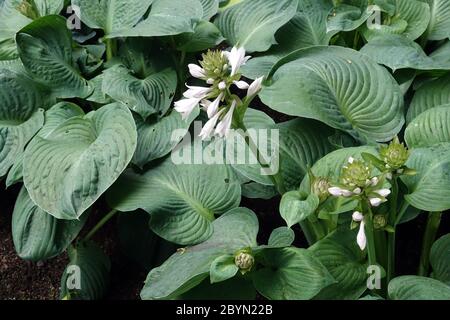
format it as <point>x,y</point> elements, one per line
<point>433,222</point>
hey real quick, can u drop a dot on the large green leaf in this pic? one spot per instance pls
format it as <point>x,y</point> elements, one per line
<point>112,15</point>
<point>339,87</point>
<point>8,50</point>
<point>210,8</point>
<point>11,20</point>
<point>67,171</point>
<point>399,52</point>
<point>439,27</point>
<point>429,128</point>
<point>36,234</point>
<point>431,94</point>
<point>346,263</point>
<point>147,96</point>
<point>53,118</point>
<point>439,258</point>
<point>235,230</point>
<point>429,189</point>
<point>307,28</point>
<point>156,138</point>
<point>48,7</point>
<point>301,143</point>
<point>91,266</point>
<point>166,17</point>
<point>348,15</point>
<point>20,115</point>
<point>290,274</point>
<point>252,23</point>
<point>294,208</point>
<point>418,288</point>
<point>182,199</point>
<point>45,48</point>
<point>410,18</point>
<point>206,35</point>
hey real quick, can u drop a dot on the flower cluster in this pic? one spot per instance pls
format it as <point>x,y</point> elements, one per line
<point>244,260</point>
<point>394,155</point>
<point>220,71</point>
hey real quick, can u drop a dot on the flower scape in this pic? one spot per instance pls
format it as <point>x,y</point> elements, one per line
<point>348,100</point>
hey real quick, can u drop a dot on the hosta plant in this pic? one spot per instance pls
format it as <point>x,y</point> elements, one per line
<point>108,104</point>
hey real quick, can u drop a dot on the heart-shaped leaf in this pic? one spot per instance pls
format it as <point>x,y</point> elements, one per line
<point>234,230</point>
<point>281,237</point>
<point>294,208</point>
<point>182,199</point>
<point>339,87</point>
<point>223,268</point>
<point>147,96</point>
<point>252,23</point>
<point>45,48</point>
<point>37,235</point>
<point>86,277</point>
<point>67,171</point>
<point>418,288</point>
<point>290,274</point>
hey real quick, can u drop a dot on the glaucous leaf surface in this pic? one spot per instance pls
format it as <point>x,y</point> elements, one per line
<point>439,27</point>
<point>37,235</point>
<point>210,8</point>
<point>234,230</point>
<point>252,23</point>
<point>339,87</point>
<point>68,170</point>
<point>45,48</point>
<point>439,258</point>
<point>281,237</point>
<point>418,288</point>
<point>290,274</point>
<point>11,20</point>
<point>181,199</point>
<point>295,208</point>
<point>89,264</point>
<point>206,35</point>
<point>348,15</point>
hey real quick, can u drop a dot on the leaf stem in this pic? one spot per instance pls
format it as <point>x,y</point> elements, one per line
<point>110,49</point>
<point>100,224</point>
<point>433,222</point>
<point>392,221</point>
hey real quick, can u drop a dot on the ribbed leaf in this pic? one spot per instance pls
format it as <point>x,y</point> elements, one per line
<point>8,50</point>
<point>53,118</point>
<point>429,128</point>
<point>348,15</point>
<point>147,96</point>
<point>20,116</point>
<point>36,234</point>
<point>281,237</point>
<point>48,7</point>
<point>66,172</point>
<point>223,268</point>
<point>432,94</point>
<point>156,138</point>
<point>339,87</point>
<point>206,35</point>
<point>429,189</point>
<point>235,230</point>
<point>346,263</point>
<point>439,27</point>
<point>410,19</point>
<point>290,274</point>
<point>182,199</point>
<point>307,28</point>
<point>252,23</point>
<point>210,8</point>
<point>398,52</point>
<point>418,288</point>
<point>11,20</point>
<point>112,16</point>
<point>92,266</point>
<point>166,17</point>
<point>45,48</point>
<point>439,258</point>
<point>294,208</point>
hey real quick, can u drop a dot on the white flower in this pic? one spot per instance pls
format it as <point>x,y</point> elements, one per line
<point>208,128</point>
<point>383,192</point>
<point>375,202</point>
<point>389,175</point>
<point>357,216</point>
<point>337,192</point>
<point>205,104</point>
<point>186,106</point>
<point>222,85</point>
<point>255,87</point>
<point>351,160</point>
<point>361,237</point>
<point>223,128</point>
<point>210,81</point>
<point>213,107</point>
<point>374,181</point>
<point>241,84</point>
<point>357,191</point>
<point>236,59</point>
<point>196,92</point>
<point>196,71</point>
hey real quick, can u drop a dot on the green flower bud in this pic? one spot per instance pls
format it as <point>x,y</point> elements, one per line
<point>356,173</point>
<point>379,221</point>
<point>214,64</point>
<point>319,187</point>
<point>244,261</point>
<point>394,155</point>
